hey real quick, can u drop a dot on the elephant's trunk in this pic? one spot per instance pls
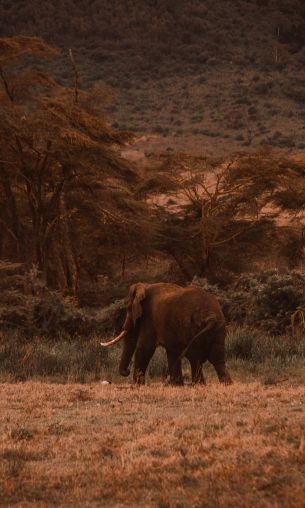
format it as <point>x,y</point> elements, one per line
<point>128,350</point>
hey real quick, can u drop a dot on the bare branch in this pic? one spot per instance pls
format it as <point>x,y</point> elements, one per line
<point>8,230</point>
<point>5,84</point>
<point>230,238</point>
<point>76,76</point>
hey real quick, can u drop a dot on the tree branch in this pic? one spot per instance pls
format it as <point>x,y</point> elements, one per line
<point>8,230</point>
<point>76,76</point>
<point>5,84</point>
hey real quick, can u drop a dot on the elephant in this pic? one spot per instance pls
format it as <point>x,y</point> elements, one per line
<point>186,321</point>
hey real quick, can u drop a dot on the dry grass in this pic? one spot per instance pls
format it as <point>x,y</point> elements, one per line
<point>106,445</point>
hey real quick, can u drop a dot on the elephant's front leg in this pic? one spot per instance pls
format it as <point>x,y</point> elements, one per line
<point>175,368</point>
<point>142,358</point>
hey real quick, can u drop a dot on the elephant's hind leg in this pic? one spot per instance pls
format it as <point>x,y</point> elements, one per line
<point>175,369</point>
<point>223,374</point>
<point>197,374</point>
<point>217,359</point>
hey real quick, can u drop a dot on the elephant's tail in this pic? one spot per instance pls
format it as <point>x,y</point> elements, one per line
<point>210,325</point>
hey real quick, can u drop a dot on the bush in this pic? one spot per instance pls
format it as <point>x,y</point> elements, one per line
<point>265,300</point>
<point>263,88</point>
<point>41,311</point>
<point>48,313</point>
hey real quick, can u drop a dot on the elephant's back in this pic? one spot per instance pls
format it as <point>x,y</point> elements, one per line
<point>192,297</point>
<point>183,312</point>
<point>165,293</point>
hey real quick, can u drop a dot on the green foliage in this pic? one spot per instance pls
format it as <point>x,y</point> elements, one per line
<point>46,313</point>
<point>28,305</point>
<point>265,300</point>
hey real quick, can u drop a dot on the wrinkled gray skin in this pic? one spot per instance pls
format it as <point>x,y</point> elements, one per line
<point>170,316</point>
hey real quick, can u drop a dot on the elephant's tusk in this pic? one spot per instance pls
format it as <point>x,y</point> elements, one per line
<point>115,340</point>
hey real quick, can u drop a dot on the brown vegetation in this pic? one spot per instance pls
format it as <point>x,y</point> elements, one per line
<point>79,223</point>
<point>99,445</point>
<point>223,214</point>
<point>75,210</point>
<point>61,179</point>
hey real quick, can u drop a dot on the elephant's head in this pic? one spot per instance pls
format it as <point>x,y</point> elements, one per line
<point>130,327</point>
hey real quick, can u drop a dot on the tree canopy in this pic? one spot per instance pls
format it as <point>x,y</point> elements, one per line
<point>66,195</point>
<point>72,207</point>
<point>227,214</point>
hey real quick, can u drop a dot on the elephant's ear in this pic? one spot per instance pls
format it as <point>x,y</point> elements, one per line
<point>138,294</point>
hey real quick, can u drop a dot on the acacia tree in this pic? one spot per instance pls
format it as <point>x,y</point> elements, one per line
<point>228,213</point>
<point>63,185</point>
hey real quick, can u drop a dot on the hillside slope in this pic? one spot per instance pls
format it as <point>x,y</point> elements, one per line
<point>196,74</point>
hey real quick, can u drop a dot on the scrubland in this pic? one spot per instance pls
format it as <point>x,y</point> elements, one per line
<point>221,84</point>
<point>119,445</point>
<point>197,75</point>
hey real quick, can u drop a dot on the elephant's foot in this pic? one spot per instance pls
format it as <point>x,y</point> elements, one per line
<point>176,381</point>
<point>222,373</point>
<point>225,378</point>
<point>124,372</point>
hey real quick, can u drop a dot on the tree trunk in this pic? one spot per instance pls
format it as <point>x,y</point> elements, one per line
<point>186,265</point>
<point>13,219</point>
<point>71,267</point>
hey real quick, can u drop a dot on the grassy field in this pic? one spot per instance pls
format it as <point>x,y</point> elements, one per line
<point>158,446</point>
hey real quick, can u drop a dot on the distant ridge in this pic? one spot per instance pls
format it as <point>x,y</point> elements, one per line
<point>223,74</point>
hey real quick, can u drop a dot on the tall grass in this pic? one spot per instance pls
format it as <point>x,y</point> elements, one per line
<point>248,343</point>
<point>76,359</point>
<point>81,359</point>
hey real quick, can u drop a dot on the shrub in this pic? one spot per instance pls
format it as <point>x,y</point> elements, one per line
<point>265,300</point>
<point>48,313</point>
<point>27,305</point>
<point>295,93</point>
<point>263,88</point>
<point>157,129</point>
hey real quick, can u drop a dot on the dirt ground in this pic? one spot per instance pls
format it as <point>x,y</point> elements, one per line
<point>154,446</point>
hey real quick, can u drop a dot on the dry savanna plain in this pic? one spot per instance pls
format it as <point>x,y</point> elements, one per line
<point>104,145</point>
<point>120,445</point>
